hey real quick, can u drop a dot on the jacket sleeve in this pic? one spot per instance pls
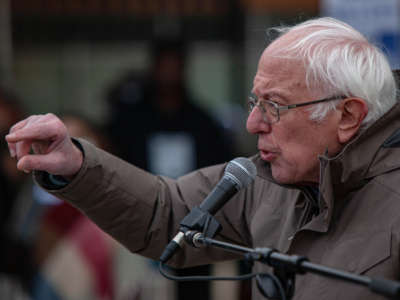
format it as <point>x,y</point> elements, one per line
<point>143,211</point>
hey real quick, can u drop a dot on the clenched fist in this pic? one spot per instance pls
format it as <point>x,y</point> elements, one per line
<point>42,142</point>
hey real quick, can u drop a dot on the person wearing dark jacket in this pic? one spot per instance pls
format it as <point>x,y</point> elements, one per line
<point>156,125</point>
<point>324,109</point>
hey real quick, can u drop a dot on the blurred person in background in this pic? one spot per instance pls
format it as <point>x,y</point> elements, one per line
<point>74,258</point>
<point>153,115</point>
<point>65,256</point>
<point>10,178</point>
<point>16,267</point>
<point>156,125</point>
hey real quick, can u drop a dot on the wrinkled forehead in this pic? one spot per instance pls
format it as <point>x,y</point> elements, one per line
<point>278,67</point>
<point>274,71</point>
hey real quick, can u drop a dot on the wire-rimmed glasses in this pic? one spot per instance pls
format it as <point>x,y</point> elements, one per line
<point>271,109</point>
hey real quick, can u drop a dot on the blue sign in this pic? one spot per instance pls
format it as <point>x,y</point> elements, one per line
<point>378,20</point>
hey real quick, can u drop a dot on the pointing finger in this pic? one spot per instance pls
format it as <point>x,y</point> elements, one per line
<point>30,120</point>
<point>38,131</point>
<point>19,125</point>
<point>12,149</point>
<point>12,146</point>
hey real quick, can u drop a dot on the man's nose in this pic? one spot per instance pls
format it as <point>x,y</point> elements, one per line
<point>256,123</point>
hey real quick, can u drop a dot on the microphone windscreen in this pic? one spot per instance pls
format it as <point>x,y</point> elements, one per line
<point>241,170</point>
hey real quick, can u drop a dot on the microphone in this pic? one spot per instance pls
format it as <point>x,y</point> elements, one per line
<point>239,173</point>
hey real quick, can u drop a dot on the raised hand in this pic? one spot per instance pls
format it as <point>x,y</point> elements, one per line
<point>42,142</point>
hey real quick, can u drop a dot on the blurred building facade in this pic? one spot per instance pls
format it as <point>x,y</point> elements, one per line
<point>66,53</point>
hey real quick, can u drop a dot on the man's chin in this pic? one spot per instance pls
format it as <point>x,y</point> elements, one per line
<point>280,177</point>
<point>288,180</point>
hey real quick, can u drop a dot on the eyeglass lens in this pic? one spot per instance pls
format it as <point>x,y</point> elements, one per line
<point>268,109</point>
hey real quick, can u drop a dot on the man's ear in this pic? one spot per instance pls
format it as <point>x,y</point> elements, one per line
<point>353,112</point>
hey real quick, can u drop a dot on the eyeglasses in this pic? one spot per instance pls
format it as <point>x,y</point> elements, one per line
<point>271,110</point>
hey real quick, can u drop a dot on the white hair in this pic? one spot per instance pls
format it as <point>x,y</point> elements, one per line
<point>339,61</point>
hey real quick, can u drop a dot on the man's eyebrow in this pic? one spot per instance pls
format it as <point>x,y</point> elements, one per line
<point>271,95</point>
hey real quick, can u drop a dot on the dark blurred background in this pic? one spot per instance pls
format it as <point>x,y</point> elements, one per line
<point>160,83</point>
<point>65,55</point>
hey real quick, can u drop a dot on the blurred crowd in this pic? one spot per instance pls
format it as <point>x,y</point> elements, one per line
<point>49,250</point>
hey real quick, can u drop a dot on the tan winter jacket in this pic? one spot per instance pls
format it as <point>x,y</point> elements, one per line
<point>357,228</point>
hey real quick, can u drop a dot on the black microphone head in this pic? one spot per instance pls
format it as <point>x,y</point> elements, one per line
<point>242,171</point>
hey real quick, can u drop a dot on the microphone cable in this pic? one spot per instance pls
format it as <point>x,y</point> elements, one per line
<point>224,278</point>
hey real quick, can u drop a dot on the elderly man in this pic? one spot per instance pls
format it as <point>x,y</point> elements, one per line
<point>324,109</point>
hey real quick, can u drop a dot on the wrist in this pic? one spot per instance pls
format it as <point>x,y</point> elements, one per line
<point>77,154</point>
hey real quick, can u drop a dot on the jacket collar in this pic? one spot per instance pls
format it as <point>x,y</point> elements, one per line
<point>362,159</point>
<point>365,157</point>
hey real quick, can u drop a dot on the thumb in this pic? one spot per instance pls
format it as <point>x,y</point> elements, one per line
<point>39,162</point>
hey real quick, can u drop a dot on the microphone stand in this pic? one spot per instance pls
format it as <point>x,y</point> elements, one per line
<point>281,285</point>
<point>287,266</point>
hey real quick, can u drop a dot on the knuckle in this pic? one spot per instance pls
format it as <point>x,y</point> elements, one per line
<point>17,125</point>
<point>52,117</point>
<point>59,128</point>
<point>32,118</point>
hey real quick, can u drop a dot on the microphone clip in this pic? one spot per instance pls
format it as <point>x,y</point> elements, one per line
<point>196,221</point>
<point>200,220</point>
